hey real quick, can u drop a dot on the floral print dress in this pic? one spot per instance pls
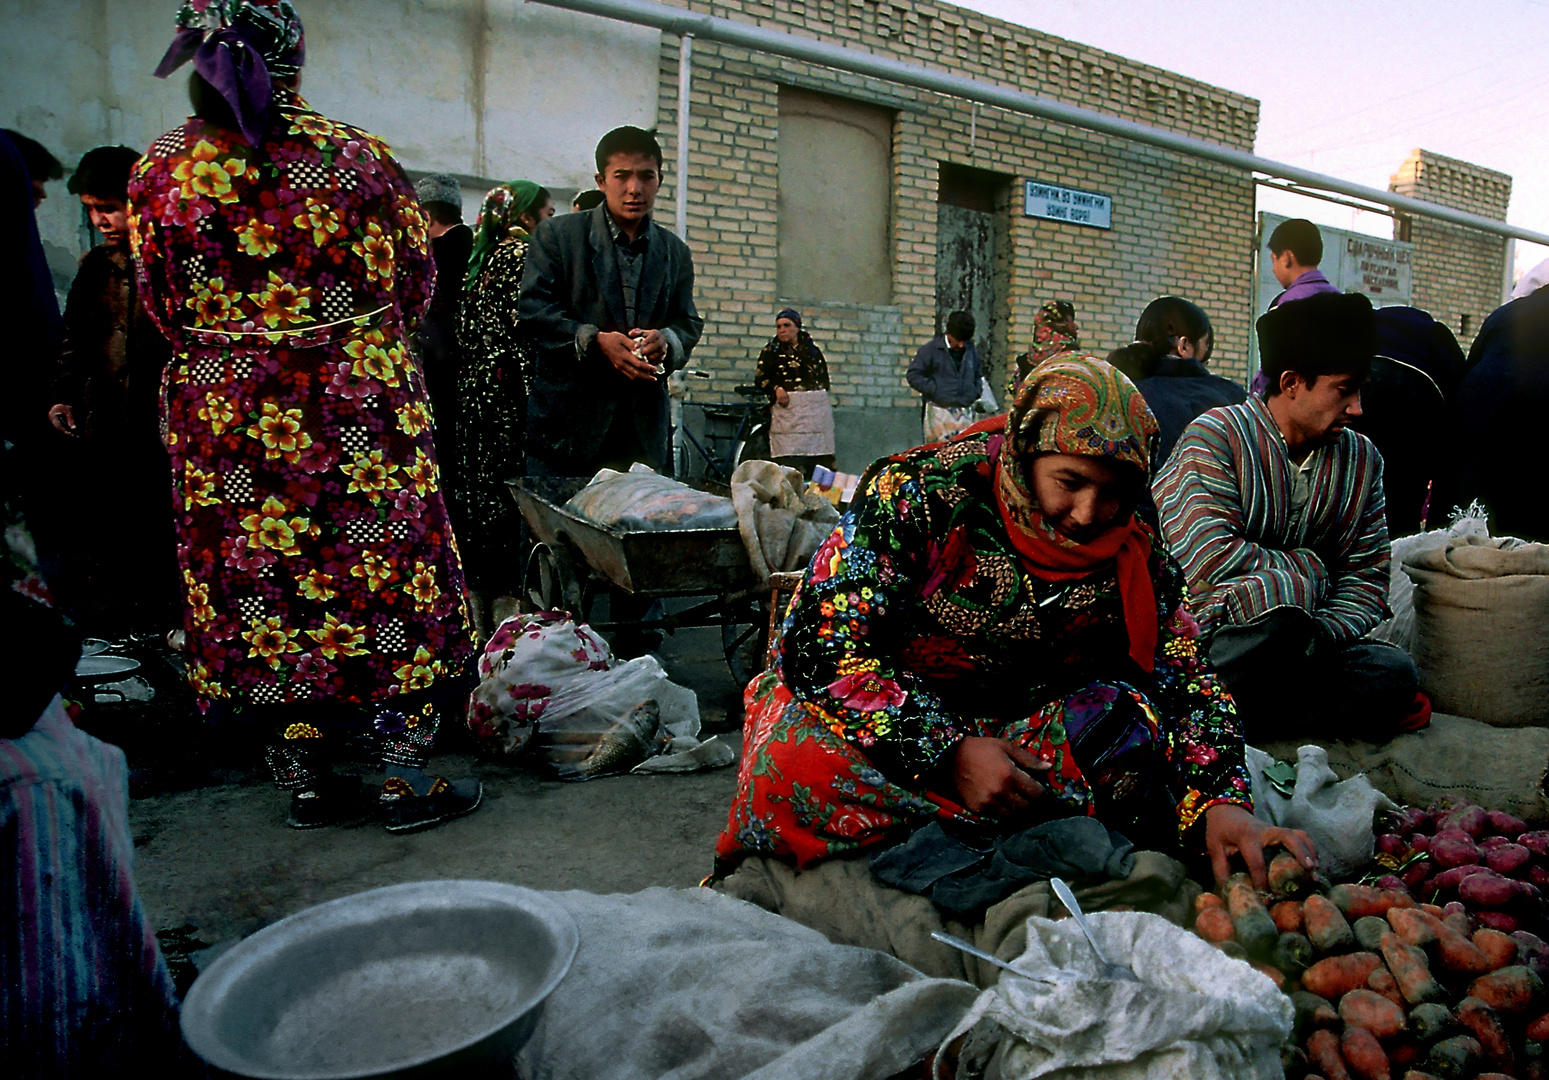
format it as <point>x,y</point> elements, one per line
<point>916,626</point>
<point>317,562</point>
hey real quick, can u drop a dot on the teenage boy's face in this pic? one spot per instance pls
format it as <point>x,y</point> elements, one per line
<point>110,217</point>
<point>629,184</point>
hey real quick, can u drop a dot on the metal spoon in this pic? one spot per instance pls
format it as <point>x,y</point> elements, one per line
<point>959,943</point>
<point>1121,972</point>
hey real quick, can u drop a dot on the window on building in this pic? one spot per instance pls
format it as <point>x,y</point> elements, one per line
<point>836,169</point>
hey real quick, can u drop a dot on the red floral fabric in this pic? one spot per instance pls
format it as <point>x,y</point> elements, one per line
<point>316,556</point>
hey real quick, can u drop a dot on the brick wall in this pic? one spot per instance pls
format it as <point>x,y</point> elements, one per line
<point>1179,225</point>
<point>1459,273</point>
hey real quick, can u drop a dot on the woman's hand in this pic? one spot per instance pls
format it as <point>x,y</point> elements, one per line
<point>783,397</point>
<point>992,776</point>
<point>1231,830</point>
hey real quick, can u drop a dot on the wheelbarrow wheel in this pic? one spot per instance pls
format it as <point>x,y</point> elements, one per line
<point>551,583</point>
<point>742,643</point>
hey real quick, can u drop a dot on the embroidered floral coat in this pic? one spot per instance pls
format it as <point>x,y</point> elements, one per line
<point>316,557</point>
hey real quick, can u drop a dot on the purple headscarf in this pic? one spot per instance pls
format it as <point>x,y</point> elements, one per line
<point>238,46</point>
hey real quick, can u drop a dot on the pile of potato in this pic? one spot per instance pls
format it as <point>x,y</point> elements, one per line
<point>1389,988</point>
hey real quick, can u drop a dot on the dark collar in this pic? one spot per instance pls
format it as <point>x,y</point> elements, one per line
<point>620,237</point>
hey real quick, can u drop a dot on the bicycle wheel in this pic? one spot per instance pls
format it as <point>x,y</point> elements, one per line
<point>755,446</point>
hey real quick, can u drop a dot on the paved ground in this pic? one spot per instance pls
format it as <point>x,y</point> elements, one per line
<point>212,850</point>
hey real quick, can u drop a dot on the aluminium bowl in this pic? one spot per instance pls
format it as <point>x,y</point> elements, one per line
<point>407,980</point>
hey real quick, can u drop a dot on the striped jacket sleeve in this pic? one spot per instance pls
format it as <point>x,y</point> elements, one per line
<point>1358,595</point>
<point>1203,498</point>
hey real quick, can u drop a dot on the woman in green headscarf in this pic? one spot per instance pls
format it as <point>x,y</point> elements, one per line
<point>491,409</point>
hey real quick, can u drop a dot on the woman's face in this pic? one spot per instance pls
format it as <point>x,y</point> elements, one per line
<point>531,218</point>
<point>1082,497</point>
<point>785,330</point>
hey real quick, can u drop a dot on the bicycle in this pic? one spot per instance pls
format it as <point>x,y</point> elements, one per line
<point>738,433</point>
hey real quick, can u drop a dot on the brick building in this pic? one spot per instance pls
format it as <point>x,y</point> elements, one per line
<point>1459,274</point>
<point>833,193</point>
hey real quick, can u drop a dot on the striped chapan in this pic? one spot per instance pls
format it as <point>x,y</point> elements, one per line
<point>1225,502</point>
<point>83,989</point>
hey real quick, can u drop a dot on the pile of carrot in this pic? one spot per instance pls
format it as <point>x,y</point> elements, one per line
<point>1387,987</point>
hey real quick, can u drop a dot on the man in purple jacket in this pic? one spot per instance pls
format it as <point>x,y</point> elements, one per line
<point>1295,249</point>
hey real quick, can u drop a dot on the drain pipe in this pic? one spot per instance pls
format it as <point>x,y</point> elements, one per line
<point>684,23</point>
<point>685,78</point>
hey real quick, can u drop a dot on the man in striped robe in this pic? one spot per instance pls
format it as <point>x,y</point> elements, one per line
<point>1274,509</point>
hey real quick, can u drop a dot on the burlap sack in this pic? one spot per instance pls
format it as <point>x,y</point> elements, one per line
<point>1482,628</point>
<point>1498,768</point>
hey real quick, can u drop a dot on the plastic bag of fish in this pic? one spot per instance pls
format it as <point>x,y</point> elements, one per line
<point>550,689</point>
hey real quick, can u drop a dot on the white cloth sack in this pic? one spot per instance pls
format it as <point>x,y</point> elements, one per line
<point>693,985</point>
<point>1399,628</point>
<point>1196,1012</point>
<point>1337,814</point>
<point>802,428</point>
<point>781,522</point>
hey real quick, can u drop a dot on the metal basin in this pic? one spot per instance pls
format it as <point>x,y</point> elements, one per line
<point>409,980</point>
<point>104,668</point>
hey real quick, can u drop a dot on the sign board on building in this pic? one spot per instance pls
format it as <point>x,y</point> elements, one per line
<point>1067,204</point>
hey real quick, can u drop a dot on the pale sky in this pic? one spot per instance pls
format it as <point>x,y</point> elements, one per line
<point>1350,87</point>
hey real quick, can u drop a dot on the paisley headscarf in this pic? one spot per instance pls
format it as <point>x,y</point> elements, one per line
<point>1079,404</point>
<point>1054,332</point>
<point>497,216</point>
<point>238,47</point>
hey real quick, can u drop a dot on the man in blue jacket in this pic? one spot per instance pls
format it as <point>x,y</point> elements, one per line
<point>607,296</point>
<point>947,373</point>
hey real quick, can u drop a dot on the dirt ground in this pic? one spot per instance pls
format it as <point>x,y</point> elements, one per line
<point>212,851</point>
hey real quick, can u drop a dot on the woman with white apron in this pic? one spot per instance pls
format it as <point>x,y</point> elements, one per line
<point>801,421</point>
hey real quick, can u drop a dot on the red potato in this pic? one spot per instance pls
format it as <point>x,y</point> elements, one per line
<point>1364,1055</point>
<point>1410,819</point>
<point>1419,842</point>
<point>1506,824</point>
<point>1449,853</point>
<point>1370,1010</point>
<point>1453,876</point>
<point>1500,920</point>
<point>1391,844</point>
<point>1536,842</point>
<point>1452,834</point>
<point>1474,820</point>
<point>1417,874</point>
<point>1538,875</point>
<point>1490,890</point>
<point>1490,843</point>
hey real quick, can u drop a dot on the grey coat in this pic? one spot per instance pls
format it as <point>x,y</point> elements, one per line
<point>942,380</point>
<point>571,291</point>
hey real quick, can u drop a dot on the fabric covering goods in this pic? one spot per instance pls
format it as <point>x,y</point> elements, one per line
<point>1336,814</point>
<point>842,899</point>
<point>1399,628</point>
<point>781,522</point>
<point>805,427</point>
<point>1196,1012</point>
<point>1481,609</point>
<point>642,501</point>
<point>1502,768</point>
<point>692,985</point>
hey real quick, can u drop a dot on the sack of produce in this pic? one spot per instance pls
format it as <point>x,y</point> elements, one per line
<point>1481,637</point>
<point>1453,757</point>
<point>1337,814</point>
<point>1399,628</point>
<point>1196,1012</point>
<point>642,501</point>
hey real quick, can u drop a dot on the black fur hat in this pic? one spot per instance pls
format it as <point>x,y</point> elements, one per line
<point>1324,334</point>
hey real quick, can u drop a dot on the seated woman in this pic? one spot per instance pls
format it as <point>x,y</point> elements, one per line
<point>1173,342</point>
<point>991,637</point>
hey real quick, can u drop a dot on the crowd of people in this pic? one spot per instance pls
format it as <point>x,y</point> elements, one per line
<point>287,390</point>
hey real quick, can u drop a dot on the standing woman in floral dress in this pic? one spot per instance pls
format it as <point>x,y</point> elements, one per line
<point>285,257</point>
<point>492,390</point>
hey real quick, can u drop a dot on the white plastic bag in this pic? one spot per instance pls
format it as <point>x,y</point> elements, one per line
<point>1336,814</point>
<point>1195,1012</point>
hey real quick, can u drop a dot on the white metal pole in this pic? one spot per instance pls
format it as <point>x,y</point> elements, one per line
<point>685,79</point>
